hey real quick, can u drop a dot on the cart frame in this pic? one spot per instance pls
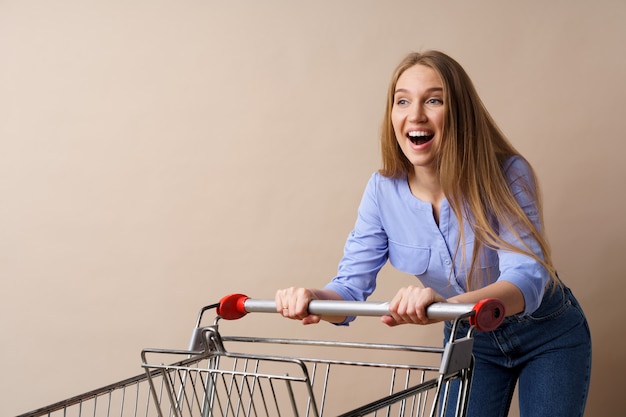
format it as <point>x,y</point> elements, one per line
<point>198,384</point>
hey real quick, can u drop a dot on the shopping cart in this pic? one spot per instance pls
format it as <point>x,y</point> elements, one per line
<point>221,375</point>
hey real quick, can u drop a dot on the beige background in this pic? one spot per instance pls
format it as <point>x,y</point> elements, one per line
<point>156,155</point>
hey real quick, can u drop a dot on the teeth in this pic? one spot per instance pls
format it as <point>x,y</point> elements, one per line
<point>417,134</point>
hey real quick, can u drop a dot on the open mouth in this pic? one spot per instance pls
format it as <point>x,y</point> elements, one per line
<point>420,137</point>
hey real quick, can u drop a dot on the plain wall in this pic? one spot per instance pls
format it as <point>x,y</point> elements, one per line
<point>156,155</point>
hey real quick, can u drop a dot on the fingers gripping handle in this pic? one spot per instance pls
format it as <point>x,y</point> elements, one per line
<point>486,315</point>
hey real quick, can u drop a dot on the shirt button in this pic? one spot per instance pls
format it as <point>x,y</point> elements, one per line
<point>447,261</point>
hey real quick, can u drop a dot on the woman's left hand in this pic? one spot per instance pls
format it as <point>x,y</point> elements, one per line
<point>409,306</point>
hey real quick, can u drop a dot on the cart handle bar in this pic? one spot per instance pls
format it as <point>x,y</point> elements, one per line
<point>486,315</point>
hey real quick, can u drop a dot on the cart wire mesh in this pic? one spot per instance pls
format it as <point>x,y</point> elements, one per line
<point>225,383</point>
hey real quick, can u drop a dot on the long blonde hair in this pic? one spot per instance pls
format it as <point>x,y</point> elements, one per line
<point>469,164</point>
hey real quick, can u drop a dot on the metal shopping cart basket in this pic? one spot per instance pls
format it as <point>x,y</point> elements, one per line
<point>222,375</point>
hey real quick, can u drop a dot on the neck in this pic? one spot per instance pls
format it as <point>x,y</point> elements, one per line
<point>425,185</point>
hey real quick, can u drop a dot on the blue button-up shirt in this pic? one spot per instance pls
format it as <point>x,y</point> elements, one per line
<point>393,225</point>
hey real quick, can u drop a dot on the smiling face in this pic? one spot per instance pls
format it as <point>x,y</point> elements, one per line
<point>417,115</point>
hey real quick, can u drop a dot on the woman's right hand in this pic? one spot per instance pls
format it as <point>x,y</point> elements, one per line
<point>293,303</point>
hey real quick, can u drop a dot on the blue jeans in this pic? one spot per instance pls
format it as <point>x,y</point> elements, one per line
<point>548,354</point>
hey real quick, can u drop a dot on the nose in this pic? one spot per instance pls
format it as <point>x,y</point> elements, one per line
<point>418,114</point>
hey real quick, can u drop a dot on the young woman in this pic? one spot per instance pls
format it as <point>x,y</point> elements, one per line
<point>458,207</point>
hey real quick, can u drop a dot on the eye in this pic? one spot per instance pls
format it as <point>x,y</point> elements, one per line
<point>434,101</point>
<point>401,102</point>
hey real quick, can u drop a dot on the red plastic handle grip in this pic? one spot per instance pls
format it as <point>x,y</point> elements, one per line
<point>232,306</point>
<point>488,314</point>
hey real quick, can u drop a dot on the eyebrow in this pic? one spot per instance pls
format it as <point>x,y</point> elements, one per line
<point>429,90</point>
